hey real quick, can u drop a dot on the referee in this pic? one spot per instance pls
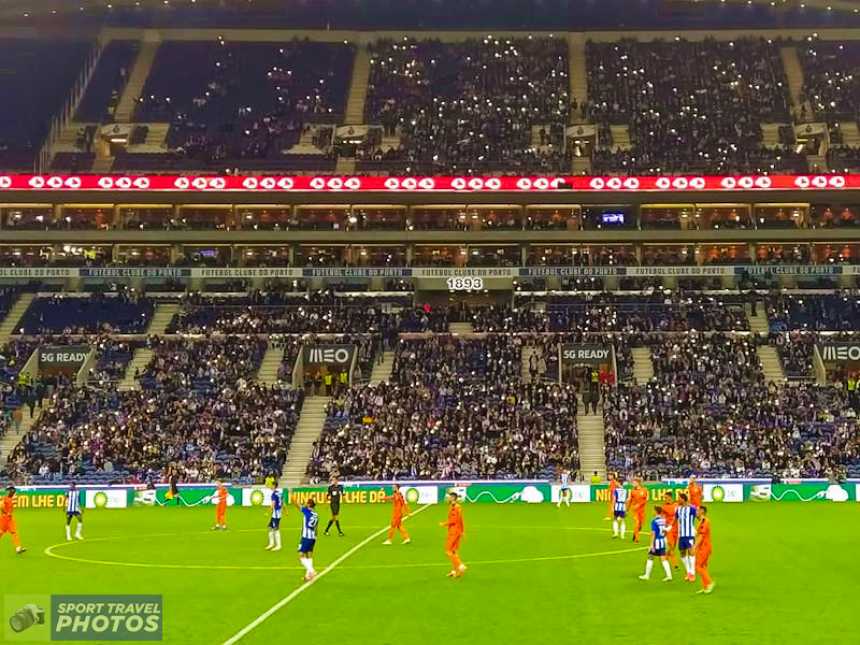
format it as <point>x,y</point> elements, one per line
<point>335,492</point>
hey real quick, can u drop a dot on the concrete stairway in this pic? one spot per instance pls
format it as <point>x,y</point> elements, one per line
<point>7,327</point>
<point>770,135</point>
<point>138,363</point>
<point>794,73</point>
<point>527,354</point>
<point>758,323</point>
<point>12,438</point>
<point>850,134</point>
<point>643,368</point>
<point>770,363</point>
<point>461,328</point>
<point>270,366</point>
<point>311,422</point>
<point>136,80</point>
<point>358,87</point>
<point>620,137</point>
<point>580,166</point>
<point>382,371</point>
<point>592,450</point>
<point>345,166</point>
<point>577,75</point>
<point>164,313</point>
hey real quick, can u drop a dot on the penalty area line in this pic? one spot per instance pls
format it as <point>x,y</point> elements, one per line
<point>295,593</point>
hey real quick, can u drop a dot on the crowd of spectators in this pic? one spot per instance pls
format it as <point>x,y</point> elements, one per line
<point>452,409</point>
<point>125,312</point>
<point>709,410</point>
<point>795,350</point>
<point>690,106</point>
<point>605,312</point>
<point>240,104</point>
<point>838,311</point>
<point>482,105</point>
<point>199,413</point>
<point>831,82</point>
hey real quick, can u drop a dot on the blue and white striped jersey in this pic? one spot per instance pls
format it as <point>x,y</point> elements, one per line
<point>309,526</point>
<point>658,528</point>
<point>565,479</point>
<point>277,505</point>
<point>73,501</point>
<point>620,495</point>
<point>686,516</point>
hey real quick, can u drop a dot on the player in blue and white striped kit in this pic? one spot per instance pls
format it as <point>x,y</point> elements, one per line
<point>658,547</point>
<point>73,510</point>
<point>619,511</point>
<point>310,520</point>
<point>276,507</point>
<point>564,491</point>
<point>685,518</point>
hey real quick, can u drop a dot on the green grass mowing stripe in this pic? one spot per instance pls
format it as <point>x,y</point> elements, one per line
<point>296,592</point>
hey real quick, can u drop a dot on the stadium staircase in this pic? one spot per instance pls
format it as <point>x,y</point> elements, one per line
<point>164,313</point>
<point>358,87</point>
<point>270,366</point>
<point>794,73</point>
<point>311,422</point>
<point>527,354</point>
<point>136,80</point>
<point>620,137</point>
<point>7,327</point>
<point>850,134</point>
<point>345,166</point>
<point>758,323</point>
<point>770,364</point>
<point>461,328</point>
<point>592,450</point>
<point>382,371</point>
<point>12,438</point>
<point>643,368</point>
<point>138,363</point>
<point>577,75</point>
<point>580,166</point>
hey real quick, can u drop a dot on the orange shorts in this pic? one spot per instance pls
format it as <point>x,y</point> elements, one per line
<point>396,521</point>
<point>672,538</point>
<point>8,526</point>
<point>453,542</point>
<point>702,557</point>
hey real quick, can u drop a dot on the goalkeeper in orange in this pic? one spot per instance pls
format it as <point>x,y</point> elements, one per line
<point>399,513</point>
<point>454,524</point>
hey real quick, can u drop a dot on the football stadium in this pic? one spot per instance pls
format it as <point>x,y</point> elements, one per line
<point>401,322</point>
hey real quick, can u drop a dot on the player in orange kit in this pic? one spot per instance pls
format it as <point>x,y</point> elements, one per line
<point>613,484</point>
<point>669,507</point>
<point>703,550</point>
<point>454,524</point>
<point>694,492</point>
<point>221,508</point>
<point>636,506</point>
<point>7,521</point>
<point>399,512</point>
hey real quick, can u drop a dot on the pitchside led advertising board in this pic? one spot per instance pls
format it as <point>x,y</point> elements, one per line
<point>419,493</point>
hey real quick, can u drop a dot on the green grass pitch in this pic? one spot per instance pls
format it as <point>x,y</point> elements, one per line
<point>785,573</point>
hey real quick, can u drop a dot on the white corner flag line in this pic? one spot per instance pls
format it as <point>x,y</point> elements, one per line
<point>283,602</point>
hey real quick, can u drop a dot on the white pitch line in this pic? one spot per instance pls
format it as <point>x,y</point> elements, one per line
<point>298,591</point>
